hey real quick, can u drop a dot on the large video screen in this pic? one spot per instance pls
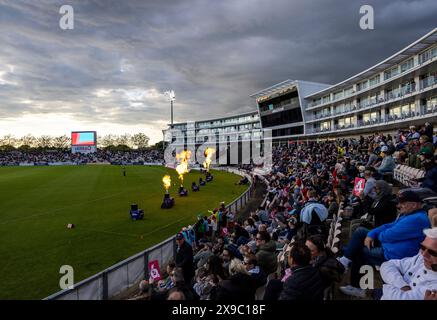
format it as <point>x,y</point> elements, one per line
<point>83,138</point>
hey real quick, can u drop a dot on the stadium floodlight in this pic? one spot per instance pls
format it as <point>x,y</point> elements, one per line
<point>171,96</point>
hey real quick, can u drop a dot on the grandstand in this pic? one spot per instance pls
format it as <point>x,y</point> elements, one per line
<point>353,183</point>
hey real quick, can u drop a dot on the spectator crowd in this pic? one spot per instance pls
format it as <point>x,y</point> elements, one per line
<point>280,251</point>
<point>15,158</point>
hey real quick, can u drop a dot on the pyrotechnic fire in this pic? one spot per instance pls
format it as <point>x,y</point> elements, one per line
<point>208,154</point>
<point>182,168</point>
<point>166,180</point>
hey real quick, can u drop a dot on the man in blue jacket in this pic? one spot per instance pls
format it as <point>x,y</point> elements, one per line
<point>396,240</point>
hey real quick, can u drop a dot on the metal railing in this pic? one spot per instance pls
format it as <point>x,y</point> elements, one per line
<point>123,275</point>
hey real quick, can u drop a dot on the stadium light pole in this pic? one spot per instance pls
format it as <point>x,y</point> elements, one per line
<point>171,96</point>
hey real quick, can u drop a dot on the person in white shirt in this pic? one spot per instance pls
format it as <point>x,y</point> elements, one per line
<point>413,278</point>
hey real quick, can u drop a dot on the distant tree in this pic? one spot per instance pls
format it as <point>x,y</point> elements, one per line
<point>107,141</point>
<point>140,140</point>
<point>161,145</point>
<point>28,140</point>
<point>7,148</point>
<point>8,140</point>
<point>124,139</point>
<point>61,142</point>
<point>45,142</point>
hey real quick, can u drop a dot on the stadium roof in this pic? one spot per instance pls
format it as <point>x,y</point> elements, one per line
<point>414,48</point>
<point>277,87</point>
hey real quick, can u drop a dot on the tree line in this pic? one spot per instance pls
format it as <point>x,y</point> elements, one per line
<point>109,141</point>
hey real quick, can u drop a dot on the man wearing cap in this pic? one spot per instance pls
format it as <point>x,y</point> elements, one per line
<point>184,258</point>
<point>388,164</point>
<point>415,277</point>
<point>395,240</point>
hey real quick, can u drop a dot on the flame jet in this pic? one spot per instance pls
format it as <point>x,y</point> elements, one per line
<point>182,168</point>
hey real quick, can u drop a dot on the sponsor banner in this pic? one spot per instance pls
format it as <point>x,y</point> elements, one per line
<point>67,163</point>
<point>154,270</point>
<point>83,149</point>
<point>26,164</point>
<point>359,186</point>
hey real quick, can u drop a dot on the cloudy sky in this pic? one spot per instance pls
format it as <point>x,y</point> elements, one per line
<point>108,74</point>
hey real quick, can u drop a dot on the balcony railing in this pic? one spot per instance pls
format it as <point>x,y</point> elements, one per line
<point>425,110</point>
<point>428,82</point>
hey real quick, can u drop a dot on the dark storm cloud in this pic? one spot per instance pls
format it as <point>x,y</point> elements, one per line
<point>214,54</point>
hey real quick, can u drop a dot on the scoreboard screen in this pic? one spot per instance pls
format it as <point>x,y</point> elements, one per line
<point>83,138</point>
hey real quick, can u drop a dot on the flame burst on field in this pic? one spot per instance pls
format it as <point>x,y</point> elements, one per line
<point>182,168</point>
<point>166,180</point>
<point>208,155</point>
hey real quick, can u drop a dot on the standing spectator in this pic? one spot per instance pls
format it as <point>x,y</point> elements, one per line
<point>184,258</point>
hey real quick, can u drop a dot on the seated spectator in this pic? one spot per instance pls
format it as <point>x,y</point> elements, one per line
<point>263,215</point>
<point>167,283</point>
<point>239,285</point>
<point>203,286</point>
<point>305,282</point>
<point>395,240</point>
<point>266,253</point>
<point>258,276</point>
<point>429,164</point>
<point>388,164</point>
<point>230,253</point>
<point>312,216</point>
<point>322,258</point>
<point>215,268</point>
<point>201,182</point>
<point>368,194</point>
<point>176,294</point>
<point>144,291</point>
<point>410,278</point>
<point>383,209</point>
<point>241,236</point>
<point>201,257</point>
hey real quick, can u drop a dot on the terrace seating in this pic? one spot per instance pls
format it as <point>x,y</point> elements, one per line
<point>407,175</point>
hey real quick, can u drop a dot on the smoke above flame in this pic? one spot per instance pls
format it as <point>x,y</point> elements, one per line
<point>208,154</point>
<point>182,168</point>
<point>166,180</point>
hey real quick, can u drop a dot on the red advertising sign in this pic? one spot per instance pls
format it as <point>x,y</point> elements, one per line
<point>154,270</point>
<point>359,186</point>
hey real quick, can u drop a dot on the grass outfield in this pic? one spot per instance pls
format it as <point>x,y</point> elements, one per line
<point>36,204</point>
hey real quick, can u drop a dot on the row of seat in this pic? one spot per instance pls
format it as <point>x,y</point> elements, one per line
<point>408,175</point>
<point>335,231</point>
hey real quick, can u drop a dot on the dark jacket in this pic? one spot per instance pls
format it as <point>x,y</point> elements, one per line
<point>304,284</point>
<point>184,260</point>
<point>384,210</point>
<point>430,179</point>
<point>258,276</point>
<point>330,269</point>
<point>267,259</point>
<point>237,287</point>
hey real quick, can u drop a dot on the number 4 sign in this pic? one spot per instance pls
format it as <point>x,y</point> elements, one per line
<point>154,270</point>
<point>359,186</point>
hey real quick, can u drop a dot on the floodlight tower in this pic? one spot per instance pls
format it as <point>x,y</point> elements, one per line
<point>171,96</point>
